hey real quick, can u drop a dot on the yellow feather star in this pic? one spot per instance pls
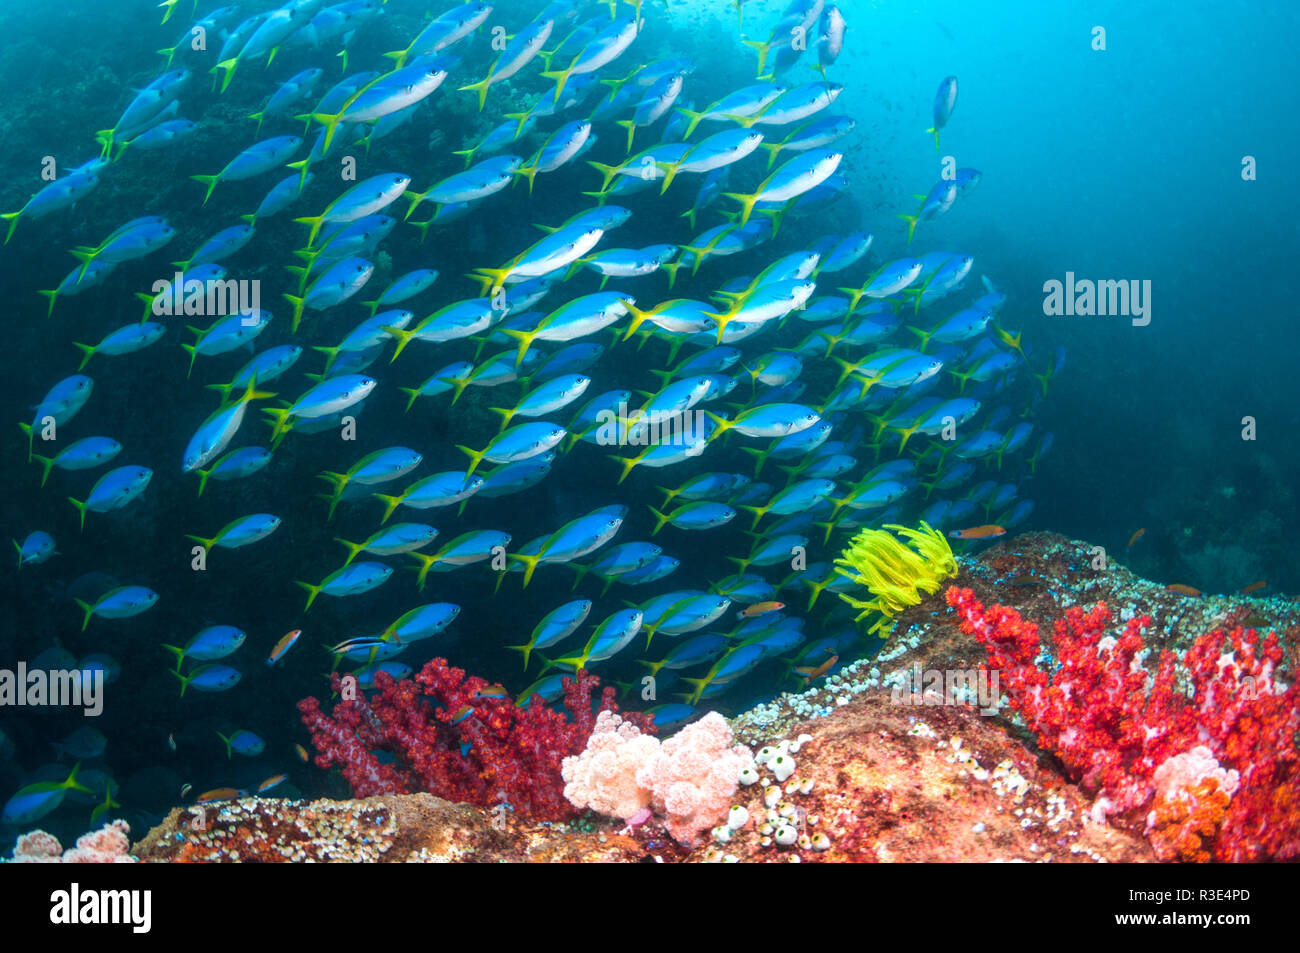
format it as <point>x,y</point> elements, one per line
<point>896,574</point>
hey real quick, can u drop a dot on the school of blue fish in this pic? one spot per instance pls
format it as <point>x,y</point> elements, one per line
<point>827,382</point>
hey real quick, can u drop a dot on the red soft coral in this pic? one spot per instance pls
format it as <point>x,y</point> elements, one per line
<point>452,737</point>
<point>1113,724</point>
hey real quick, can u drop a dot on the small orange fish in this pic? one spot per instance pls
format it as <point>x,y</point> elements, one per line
<point>272,782</point>
<point>988,531</point>
<point>1254,587</point>
<point>1182,590</point>
<point>219,794</point>
<point>759,608</point>
<point>301,752</point>
<point>283,646</point>
<point>492,691</point>
<point>1135,537</point>
<point>811,674</point>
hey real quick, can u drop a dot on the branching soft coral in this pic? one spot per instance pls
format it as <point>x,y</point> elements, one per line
<point>1134,739</point>
<point>454,736</point>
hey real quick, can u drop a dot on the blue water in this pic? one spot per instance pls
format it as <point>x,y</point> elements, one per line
<point>1117,164</point>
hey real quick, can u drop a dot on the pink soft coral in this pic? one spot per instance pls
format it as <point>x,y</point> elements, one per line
<point>108,845</point>
<point>689,780</point>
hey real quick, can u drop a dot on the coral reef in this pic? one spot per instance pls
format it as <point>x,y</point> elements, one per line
<point>1121,731</point>
<point>110,844</point>
<point>859,767</point>
<point>457,737</point>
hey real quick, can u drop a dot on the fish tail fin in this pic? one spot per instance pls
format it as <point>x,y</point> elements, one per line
<point>46,464</point>
<point>331,353</point>
<point>148,300</point>
<point>331,122</point>
<point>51,295</point>
<point>934,131</point>
<point>760,456</point>
<point>414,199</point>
<point>31,435</point>
<point>390,503</point>
<point>746,205</point>
<point>207,544</point>
<point>660,519</point>
<point>412,393</point>
<point>87,352</point>
<point>222,389</point>
<point>203,479</point>
<point>86,609</point>
<point>280,424</point>
<point>607,171</point>
<point>638,317</point>
<point>762,47</point>
<point>72,784</point>
<point>352,548</point>
<point>315,222</point>
<point>194,353</point>
<point>312,592</point>
<point>403,338</point>
<point>694,118</point>
<point>530,565</point>
<point>654,667</point>
<point>742,563</point>
<point>506,413</point>
<point>458,387</point>
<point>210,181</point>
<point>226,740</point>
<point>671,266</point>
<point>424,228</point>
<point>723,425</point>
<point>561,77</point>
<point>475,458</point>
<point>489,278</point>
<point>297,303</point>
<point>184,680</point>
<point>178,652</point>
<point>525,650</point>
<point>670,173</point>
<point>105,139</point>
<point>12,218</point>
<point>81,508</point>
<point>923,336</point>
<point>911,224</point>
<point>398,57</point>
<point>758,511</point>
<point>630,125</point>
<point>525,339</point>
<point>693,698</point>
<point>480,90</point>
<point>627,463</point>
<point>773,150</point>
